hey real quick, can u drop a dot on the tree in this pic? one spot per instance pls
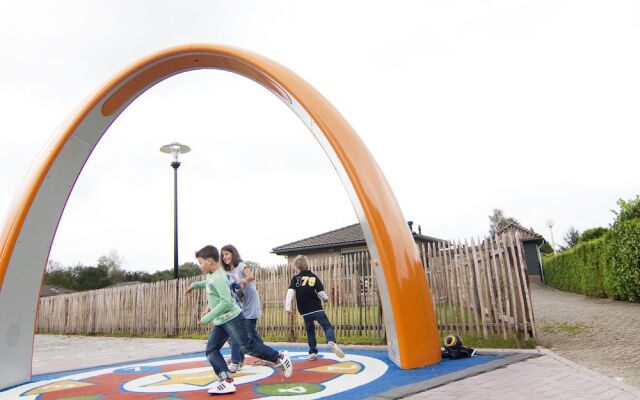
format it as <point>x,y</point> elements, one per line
<point>57,275</point>
<point>571,238</point>
<point>253,265</point>
<point>592,234</point>
<point>89,278</point>
<point>136,276</point>
<point>188,269</point>
<point>497,221</point>
<point>546,248</point>
<point>113,263</point>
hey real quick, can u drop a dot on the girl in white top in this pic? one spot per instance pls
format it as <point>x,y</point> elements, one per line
<point>250,300</point>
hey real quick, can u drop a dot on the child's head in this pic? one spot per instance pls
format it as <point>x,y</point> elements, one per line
<point>301,263</point>
<point>207,257</point>
<point>230,257</point>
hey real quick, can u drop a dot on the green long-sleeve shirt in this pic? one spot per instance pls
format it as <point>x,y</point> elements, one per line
<point>223,307</point>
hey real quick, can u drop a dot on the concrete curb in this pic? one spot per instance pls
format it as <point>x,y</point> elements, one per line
<point>508,357</point>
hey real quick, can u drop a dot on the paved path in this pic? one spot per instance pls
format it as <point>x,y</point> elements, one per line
<point>547,377</point>
<point>600,334</point>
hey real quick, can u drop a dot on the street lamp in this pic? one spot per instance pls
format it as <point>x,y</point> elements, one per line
<point>550,224</point>
<point>175,149</point>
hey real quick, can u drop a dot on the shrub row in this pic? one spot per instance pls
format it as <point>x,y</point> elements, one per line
<point>580,269</point>
<point>605,267</point>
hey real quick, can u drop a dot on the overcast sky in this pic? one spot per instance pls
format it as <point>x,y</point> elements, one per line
<point>527,106</point>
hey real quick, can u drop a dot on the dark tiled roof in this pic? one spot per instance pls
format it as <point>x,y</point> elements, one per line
<point>46,291</point>
<point>525,234</point>
<point>348,236</point>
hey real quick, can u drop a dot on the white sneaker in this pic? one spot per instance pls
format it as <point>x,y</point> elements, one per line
<point>233,367</point>
<point>336,349</point>
<point>223,387</point>
<point>285,363</point>
<point>313,357</point>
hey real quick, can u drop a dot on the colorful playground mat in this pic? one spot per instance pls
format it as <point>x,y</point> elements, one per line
<point>361,374</point>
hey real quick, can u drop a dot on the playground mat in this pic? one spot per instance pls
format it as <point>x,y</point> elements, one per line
<point>361,374</point>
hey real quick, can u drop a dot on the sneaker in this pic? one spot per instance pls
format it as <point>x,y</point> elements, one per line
<point>235,367</point>
<point>336,349</point>
<point>313,357</point>
<point>285,363</point>
<point>223,387</point>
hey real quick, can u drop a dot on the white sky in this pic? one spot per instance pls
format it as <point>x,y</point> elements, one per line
<point>528,106</point>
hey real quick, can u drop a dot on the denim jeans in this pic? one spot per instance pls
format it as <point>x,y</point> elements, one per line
<point>236,330</point>
<point>236,355</point>
<point>323,320</point>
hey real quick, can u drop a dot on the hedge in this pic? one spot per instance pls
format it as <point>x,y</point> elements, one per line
<point>608,266</point>
<point>580,269</point>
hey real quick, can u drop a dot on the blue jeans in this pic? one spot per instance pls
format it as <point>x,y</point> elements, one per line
<point>235,330</point>
<point>236,355</point>
<point>323,320</point>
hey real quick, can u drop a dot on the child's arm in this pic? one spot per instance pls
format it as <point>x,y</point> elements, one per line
<point>319,288</point>
<point>195,285</point>
<point>322,295</point>
<point>287,300</point>
<point>248,276</point>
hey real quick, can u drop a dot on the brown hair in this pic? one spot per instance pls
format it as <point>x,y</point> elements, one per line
<point>208,251</point>
<point>234,253</point>
<point>301,262</point>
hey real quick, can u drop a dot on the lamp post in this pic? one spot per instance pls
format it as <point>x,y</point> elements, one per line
<point>175,149</point>
<point>550,224</point>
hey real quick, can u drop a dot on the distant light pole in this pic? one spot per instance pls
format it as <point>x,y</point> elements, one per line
<point>175,149</point>
<point>550,224</point>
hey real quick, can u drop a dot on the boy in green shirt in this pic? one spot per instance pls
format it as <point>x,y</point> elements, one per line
<point>228,323</point>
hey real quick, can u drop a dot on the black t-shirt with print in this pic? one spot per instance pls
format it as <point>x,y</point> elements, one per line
<point>307,285</point>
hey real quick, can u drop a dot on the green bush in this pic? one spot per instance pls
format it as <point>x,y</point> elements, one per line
<point>622,277</point>
<point>579,269</point>
<point>592,234</point>
<point>607,266</point>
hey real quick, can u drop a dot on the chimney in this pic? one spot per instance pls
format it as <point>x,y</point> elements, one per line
<point>410,225</point>
<point>419,230</point>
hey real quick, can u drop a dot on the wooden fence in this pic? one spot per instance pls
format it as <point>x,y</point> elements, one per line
<point>478,289</point>
<point>481,288</point>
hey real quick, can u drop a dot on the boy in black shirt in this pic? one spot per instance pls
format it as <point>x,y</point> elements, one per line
<point>308,290</point>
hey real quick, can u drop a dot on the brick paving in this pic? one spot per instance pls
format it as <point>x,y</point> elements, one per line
<point>594,354</point>
<point>547,377</point>
<point>600,334</point>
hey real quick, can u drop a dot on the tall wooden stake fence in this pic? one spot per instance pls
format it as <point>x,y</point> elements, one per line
<point>481,288</point>
<point>478,289</point>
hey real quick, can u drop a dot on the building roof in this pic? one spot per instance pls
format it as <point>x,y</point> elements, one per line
<point>525,234</point>
<point>46,291</point>
<point>347,236</point>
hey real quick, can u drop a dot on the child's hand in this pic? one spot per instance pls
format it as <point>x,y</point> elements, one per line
<point>243,283</point>
<point>189,289</point>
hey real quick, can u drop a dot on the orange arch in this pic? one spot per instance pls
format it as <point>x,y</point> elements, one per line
<point>31,223</point>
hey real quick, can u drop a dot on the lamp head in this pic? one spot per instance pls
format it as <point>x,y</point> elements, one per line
<point>175,149</point>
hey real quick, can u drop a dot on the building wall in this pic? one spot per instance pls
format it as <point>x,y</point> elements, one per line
<point>532,258</point>
<point>324,253</point>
